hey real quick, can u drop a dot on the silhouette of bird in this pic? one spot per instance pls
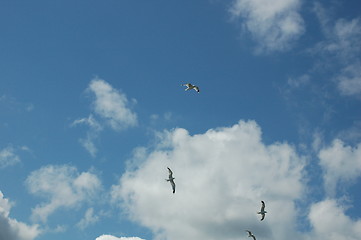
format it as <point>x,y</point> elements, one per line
<point>190,86</point>
<point>262,212</point>
<point>251,235</point>
<point>171,179</point>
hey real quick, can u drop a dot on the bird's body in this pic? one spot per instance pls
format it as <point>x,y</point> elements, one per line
<point>190,86</point>
<point>262,212</point>
<point>171,179</point>
<point>251,235</point>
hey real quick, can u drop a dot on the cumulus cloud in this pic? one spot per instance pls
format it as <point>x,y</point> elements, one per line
<point>110,237</point>
<point>11,229</point>
<point>112,105</point>
<point>274,25</point>
<point>329,221</point>
<point>221,176</point>
<point>63,187</point>
<point>8,157</point>
<point>341,163</point>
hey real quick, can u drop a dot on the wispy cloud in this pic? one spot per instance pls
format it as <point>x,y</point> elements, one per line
<point>63,186</point>
<point>110,108</point>
<point>88,219</point>
<point>11,229</point>
<point>92,134</point>
<point>8,157</point>
<point>341,46</point>
<point>14,104</point>
<point>274,25</point>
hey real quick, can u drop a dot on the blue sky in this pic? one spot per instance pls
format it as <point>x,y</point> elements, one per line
<point>93,112</point>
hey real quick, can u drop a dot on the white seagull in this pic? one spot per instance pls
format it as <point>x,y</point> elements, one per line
<point>251,235</point>
<point>190,86</point>
<point>170,179</point>
<point>262,212</point>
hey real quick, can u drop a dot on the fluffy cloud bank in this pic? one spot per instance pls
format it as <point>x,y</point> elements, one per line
<point>221,176</point>
<point>273,24</point>
<point>63,186</point>
<point>11,229</point>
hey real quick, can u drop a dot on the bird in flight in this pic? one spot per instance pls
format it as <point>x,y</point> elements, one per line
<point>171,179</point>
<point>190,86</point>
<point>251,235</point>
<point>262,212</point>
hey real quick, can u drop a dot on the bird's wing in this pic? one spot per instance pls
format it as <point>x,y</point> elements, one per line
<point>262,216</point>
<point>170,173</point>
<point>249,232</point>
<point>173,185</point>
<point>263,206</point>
<point>254,238</point>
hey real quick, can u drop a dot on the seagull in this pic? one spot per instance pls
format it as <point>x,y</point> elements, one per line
<point>262,212</point>
<point>170,179</point>
<point>251,235</point>
<point>190,86</point>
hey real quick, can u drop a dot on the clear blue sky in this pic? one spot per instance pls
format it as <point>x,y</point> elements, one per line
<point>92,112</point>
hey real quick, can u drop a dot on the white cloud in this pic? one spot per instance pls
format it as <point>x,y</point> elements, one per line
<point>11,229</point>
<point>63,186</point>
<point>349,80</point>
<point>8,157</point>
<point>220,176</point>
<point>342,37</point>
<point>90,121</point>
<point>341,163</point>
<point>275,25</point>
<point>112,105</point>
<point>342,45</point>
<point>92,134</point>
<point>110,237</point>
<point>298,82</point>
<point>89,219</point>
<point>329,221</point>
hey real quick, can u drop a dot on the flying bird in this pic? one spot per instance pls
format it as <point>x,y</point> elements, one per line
<point>190,86</point>
<point>251,235</point>
<point>262,212</point>
<point>170,179</point>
